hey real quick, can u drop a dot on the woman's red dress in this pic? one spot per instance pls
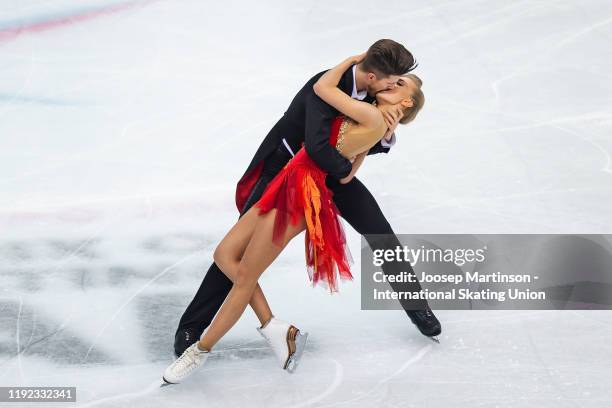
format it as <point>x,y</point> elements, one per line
<point>297,191</point>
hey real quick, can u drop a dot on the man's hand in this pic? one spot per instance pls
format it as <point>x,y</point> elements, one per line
<point>351,175</point>
<point>346,179</point>
<point>357,161</point>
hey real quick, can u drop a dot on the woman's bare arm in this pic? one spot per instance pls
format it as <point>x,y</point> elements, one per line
<point>326,88</point>
<point>356,164</point>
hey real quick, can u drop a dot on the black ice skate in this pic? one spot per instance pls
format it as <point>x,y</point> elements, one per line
<point>427,323</point>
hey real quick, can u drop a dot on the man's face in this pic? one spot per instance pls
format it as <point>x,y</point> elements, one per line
<point>375,85</point>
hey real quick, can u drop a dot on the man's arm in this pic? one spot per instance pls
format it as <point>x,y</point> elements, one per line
<point>356,164</point>
<point>378,148</point>
<point>319,117</point>
<point>384,145</point>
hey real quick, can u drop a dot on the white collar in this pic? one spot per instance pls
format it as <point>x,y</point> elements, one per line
<point>357,95</point>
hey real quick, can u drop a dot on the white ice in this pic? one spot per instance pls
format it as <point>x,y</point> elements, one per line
<point>122,137</point>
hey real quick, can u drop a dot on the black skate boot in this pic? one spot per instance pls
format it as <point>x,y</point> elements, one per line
<point>184,338</point>
<point>427,323</point>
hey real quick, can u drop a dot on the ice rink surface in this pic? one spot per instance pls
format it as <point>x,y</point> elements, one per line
<point>124,127</point>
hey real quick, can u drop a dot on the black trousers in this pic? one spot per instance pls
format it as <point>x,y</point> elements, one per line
<point>357,206</point>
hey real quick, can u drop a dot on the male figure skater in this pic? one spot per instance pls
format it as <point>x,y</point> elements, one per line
<point>307,121</point>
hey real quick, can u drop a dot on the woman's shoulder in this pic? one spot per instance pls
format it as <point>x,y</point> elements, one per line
<point>375,118</point>
<point>375,127</point>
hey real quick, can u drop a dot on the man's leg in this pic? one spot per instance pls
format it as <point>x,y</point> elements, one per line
<point>216,286</point>
<point>359,208</point>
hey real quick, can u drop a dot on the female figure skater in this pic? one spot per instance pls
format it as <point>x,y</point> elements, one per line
<point>298,199</point>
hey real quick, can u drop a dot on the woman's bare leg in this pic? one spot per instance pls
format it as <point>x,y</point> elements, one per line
<point>259,254</point>
<point>229,253</point>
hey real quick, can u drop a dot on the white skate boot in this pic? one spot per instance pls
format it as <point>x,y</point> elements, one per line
<point>186,364</point>
<point>286,341</point>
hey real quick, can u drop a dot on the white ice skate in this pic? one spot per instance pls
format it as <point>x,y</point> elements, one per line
<point>186,364</point>
<point>286,341</point>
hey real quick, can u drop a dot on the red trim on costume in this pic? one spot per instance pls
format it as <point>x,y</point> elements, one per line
<point>246,184</point>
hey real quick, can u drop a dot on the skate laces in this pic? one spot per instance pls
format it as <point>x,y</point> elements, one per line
<point>189,359</point>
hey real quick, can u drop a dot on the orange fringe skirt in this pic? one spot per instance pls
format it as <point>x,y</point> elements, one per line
<point>297,191</point>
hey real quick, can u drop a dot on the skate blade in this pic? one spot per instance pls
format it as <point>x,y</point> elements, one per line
<point>165,383</point>
<point>300,345</point>
<point>435,338</point>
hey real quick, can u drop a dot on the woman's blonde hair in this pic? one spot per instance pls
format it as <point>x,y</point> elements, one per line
<point>418,100</point>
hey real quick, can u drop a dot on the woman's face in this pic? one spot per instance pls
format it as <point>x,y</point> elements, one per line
<point>404,89</point>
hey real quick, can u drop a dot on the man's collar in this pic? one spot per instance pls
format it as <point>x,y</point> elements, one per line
<point>357,95</point>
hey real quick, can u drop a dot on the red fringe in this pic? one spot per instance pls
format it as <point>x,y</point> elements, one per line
<point>298,191</point>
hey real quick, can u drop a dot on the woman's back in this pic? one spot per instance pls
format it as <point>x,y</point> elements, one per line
<point>354,138</point>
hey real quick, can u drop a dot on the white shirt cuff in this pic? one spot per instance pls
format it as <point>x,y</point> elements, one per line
<point>390,143</point>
